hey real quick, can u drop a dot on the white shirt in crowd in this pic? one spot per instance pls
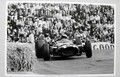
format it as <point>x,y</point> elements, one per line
<point>105,32</point>
<point>59,24</point>
<point>41,22</point>
<point>32,41</point>
<point>31,38</point>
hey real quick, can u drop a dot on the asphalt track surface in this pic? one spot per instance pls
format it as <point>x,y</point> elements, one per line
<point>102,62</point>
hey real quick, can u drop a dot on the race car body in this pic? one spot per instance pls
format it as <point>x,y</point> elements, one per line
<point>65,48</point>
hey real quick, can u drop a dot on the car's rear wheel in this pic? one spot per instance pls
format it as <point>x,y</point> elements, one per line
<point>88,49</point>
<point>46,52</point>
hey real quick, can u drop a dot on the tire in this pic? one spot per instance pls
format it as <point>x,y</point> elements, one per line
<point>50,50</point>
<point>38,48</point>
<point>46,52</point>
<point>88,49</point>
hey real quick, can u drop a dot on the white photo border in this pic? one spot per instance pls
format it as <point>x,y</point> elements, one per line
<point>31,1</point>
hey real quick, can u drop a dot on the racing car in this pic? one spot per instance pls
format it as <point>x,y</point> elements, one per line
<point>62,47</point>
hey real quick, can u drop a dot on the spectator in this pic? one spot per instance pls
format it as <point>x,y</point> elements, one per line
<point>93,21</point>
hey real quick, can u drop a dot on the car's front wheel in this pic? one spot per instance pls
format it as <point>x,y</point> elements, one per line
<point>46,52</point>
<point>38,48</point>
<point>88,49</point>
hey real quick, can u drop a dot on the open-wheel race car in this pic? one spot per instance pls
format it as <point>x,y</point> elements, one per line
<point>64,48</point>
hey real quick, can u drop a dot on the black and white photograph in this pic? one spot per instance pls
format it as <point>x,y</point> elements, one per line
<point>57,38</point>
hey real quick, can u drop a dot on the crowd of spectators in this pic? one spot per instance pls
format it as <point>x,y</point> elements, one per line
<point>51,20</point>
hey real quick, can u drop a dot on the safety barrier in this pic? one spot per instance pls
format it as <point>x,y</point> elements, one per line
<point>102,46</point>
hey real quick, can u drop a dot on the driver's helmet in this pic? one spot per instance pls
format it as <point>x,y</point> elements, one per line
<point>41,37</point>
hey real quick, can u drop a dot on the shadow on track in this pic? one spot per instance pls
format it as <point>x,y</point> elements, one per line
<point>66,58</point>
